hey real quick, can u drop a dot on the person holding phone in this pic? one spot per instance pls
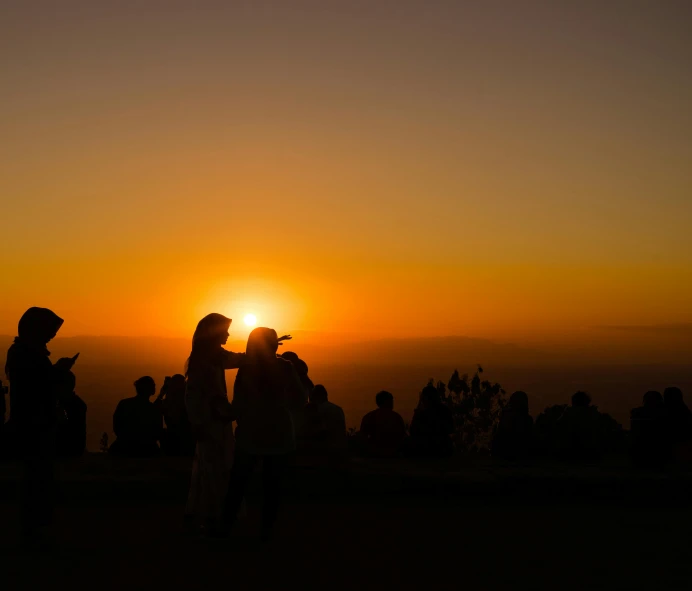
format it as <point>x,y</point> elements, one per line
<point>33,414</point>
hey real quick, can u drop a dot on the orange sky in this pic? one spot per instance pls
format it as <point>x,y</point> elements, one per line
<point>392,168</point>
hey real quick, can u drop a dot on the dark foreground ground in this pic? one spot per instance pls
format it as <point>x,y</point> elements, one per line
<point>472,524</point>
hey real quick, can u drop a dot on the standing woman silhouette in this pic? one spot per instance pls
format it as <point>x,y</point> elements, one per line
<point>34,384</point>
<point>267,391</point>
<point>210,417</point>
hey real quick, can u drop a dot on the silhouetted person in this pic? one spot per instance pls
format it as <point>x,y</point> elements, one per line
<point>4,440</point>
<point>679,417</point>
<point>177,439</point>
<point>383,430</point>
<point>583,433</point>
<point>432,425</point>
<point>651,440</point>
<point>33,416</point>
<point>301,368</point>
<point>72,413</point>
<point>324,429</point>
<point>210,416</point>
<point>514,435</point>
<point>137,423</point>
<point>267,389</point>
<point>545,430</point>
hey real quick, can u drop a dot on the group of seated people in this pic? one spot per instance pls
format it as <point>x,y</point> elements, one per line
<point>661,429</point>
<point>383,432</point>
<point>571,433</point>
<point>138,423</point>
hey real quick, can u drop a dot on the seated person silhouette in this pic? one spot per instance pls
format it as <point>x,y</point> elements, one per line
<point>324,427</point>
<point>301,368</point>
<point>137,423</point>
<point>4,439</point>
<point>177,439</point>
<point>513,438</point>
<point>679,417</point>
<point>432,425</point>
<point>545,430</point>
<point>298,414</point>
<point>383,431</point>
<point>651,441</point>
<point>72,412</point>
<point>579,431</point>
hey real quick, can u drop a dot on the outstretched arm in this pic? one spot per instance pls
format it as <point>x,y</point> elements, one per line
<point>231,360</point>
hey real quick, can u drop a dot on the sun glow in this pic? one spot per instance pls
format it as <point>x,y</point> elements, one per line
<point>250,319</point>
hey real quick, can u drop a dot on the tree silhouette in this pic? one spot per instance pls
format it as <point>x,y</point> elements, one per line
<point>476,405</point>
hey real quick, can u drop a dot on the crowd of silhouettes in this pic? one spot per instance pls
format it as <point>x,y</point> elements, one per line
<point>280,413</point>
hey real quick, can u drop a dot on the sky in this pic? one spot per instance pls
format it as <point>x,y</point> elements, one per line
<point>384,168</point>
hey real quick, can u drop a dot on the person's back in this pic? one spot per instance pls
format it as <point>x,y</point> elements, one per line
<point>266,392</point>
<point>177,438</point>
<point>71,435</point>
<point>679,417</point>
<point>514,435</point>
<point>383,429</point>
<point>4,433</point>
<point>263,404</point>
<point>651,441</point>
<point>324,429</point>
<point>432,425</point>
<point>137,423</point>
<point>579,434</point>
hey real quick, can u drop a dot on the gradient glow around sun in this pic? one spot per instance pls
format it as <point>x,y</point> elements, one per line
<point>250,319</point>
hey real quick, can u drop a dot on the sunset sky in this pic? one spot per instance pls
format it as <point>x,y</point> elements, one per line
<point>388,167</point>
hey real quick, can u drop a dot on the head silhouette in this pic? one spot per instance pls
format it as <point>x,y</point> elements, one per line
<point>428,397</point>
<point>38,326</point>
<point>210,335</point>
<point>384,400</point>
<point>262,345</point>
<point>581,399</point>
<point>318,394</point>
<point>519,402</point>
<point>673,396</point>
<point>176,384</point>
<point>298,363</point>
<point>145,387</point>
<point>653,399</point>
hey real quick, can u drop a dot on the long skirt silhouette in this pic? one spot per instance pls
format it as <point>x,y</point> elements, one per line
<point>210,470</point>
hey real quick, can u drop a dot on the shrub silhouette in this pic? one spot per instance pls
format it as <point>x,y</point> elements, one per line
<point>476,405</point>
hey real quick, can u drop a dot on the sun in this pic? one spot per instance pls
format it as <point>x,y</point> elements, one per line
<point>250,319</point>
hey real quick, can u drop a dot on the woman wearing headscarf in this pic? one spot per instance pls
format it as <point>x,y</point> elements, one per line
<point>33,411</point>
<point>210,418</point>
<point>267,390</point>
